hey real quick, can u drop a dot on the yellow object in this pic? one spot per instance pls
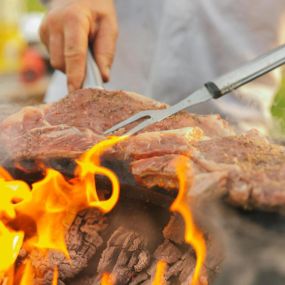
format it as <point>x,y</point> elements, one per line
<point>11,41</point>
<point>34,6</point>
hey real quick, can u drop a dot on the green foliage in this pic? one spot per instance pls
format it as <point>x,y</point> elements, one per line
<point>278,106</point>
<point>34,6</point>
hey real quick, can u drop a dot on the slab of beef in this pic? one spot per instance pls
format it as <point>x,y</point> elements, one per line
<point>78,121</point>
<point>247,169</point>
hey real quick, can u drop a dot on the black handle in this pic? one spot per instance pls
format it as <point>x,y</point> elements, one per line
<point>214,90</point>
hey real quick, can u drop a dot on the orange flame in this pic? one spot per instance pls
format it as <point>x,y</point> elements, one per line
<point>51,204</point>
<point>159,273</point>
<point>10,240</point>
<point>4,174</point>
<point>27,277</point>
<point>10,245</point>
<point>193,235</point>
<point>88,166</point>
<point>55,276</point>
<point>107,279</point>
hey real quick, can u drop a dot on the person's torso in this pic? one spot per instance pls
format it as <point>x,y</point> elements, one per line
<point>167,49</point>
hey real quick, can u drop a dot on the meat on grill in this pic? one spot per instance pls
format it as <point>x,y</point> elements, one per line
<point>247,168</point>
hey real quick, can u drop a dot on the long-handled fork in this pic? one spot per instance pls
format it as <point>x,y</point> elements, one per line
<point>211,90</point>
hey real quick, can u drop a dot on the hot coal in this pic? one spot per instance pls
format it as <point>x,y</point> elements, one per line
<point>132,250</point>
<point>84,239</point>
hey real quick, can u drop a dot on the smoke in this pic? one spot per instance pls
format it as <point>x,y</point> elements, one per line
<point>8,109</point>
<point>254,247</point>
<point>5,111</point>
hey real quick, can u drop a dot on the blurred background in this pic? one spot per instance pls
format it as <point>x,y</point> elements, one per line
<point>24,68</point>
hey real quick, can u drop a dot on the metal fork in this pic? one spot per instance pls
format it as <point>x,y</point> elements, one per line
<point>153,116</point>
<point>211,90</point>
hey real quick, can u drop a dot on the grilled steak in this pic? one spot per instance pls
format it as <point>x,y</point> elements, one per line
<point>248,169</point>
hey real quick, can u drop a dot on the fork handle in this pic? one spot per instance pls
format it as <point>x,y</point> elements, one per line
<point>247,73</point>
<point>93,77</point>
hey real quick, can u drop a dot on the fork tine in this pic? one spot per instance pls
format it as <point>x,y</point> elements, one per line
<point>131,119</point>
<point>140,126</point>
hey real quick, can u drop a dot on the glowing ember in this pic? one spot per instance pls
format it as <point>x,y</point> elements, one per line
<point>193,235</point>
<point>107,279</point>
<point>159,274</point>
<point>51,204</point>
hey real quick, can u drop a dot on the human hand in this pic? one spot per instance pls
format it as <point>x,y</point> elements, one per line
<point>68,27</point>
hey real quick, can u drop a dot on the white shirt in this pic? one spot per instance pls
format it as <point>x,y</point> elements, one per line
<point>169,48</point>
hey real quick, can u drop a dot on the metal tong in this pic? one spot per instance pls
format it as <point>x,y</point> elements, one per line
<point>93,76</point>
<point>211,90</point>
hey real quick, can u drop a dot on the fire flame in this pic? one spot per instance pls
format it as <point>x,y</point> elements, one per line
<point>193,235</point>
<point>27,277</point>
<point>55,276</point>
<point>159,273</point>
<point>51,204</point>
<point>107,279</point>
